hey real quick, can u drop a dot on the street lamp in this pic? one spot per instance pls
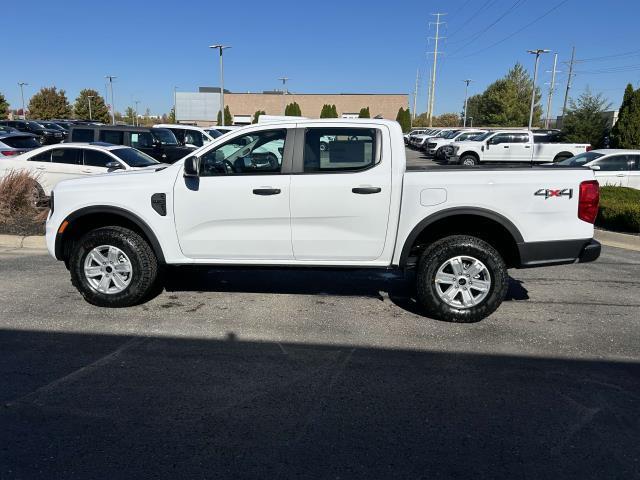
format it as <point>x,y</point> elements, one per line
<point>113,106</point>
<point>175,111</point>
<point>471,122</point>
<point>89,97</point>
<point>466,96</point>
<point>537,53</point>
<point>284,89</point>
<point>24,112</point>
<point>136,122</point>
<point>220,48</point>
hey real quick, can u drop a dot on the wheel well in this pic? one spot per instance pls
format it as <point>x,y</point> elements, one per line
<point>562,156</point>
<point>487,229</point>
<point>82,224</point>
<point>472,153</point>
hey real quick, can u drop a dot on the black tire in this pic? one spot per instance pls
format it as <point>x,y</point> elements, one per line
<point>146,271</point>
<point>468,160</point>
<point>562,156</point>
<point>324,146</point>
<point>449,247</point>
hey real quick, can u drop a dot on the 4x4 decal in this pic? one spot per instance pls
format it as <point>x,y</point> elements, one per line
<point>548,193</point>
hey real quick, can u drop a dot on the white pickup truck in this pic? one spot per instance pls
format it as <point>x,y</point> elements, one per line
<point>354,204</point>
<point>513,146</point>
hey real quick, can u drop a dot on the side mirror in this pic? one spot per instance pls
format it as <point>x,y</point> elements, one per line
<point>192,167</point>
<point>594,167</point>
<point>114,166</point>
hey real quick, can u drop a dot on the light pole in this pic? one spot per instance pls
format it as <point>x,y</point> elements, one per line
<point>135,118</point>
<point>175,111</point>
<point>24,112</point>
<point>471,123</point>
<point>537,53</point>
<point>284,89</point>
<point>113,106</point>
<point>466,96</point>
<point>89,97</point>
<point>220,48</point>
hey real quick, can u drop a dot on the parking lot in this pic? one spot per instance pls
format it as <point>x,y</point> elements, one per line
<point>273,373</point>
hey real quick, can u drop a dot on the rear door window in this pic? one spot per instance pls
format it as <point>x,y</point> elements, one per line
<point>616,163</point>
<point>95,158</point>
<point>115,137</point>
<point>339,149</point>
<point>69,156</point>
<point>82,135</point>
<point>41,157</point>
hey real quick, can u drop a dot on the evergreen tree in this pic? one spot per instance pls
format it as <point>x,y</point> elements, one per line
<point>256,116</point>
<point>130,116</point>
<point>364,113</point>
<point>334,112</point>
<point>4,106</point>
<point>99,109</point>
<point>49,103</point>
<point>228,119</point>
<point>626,131</point>
<point>326,111</point>
<point>584,121</point>
<point>293,110</point>
<point>404,119</point>
<point>171,118</point>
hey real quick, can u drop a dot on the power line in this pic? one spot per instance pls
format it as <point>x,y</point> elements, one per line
<point>632,53</point>
<point>511,35</point>
<point>478,34</point>
<point>485,5</point>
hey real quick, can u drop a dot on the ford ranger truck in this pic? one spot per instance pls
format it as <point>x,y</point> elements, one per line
<point>268,195</point>
<point>500,146</point>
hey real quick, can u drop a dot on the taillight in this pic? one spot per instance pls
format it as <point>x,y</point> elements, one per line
<point>588,201</point>
<point>9,153</point>
<point>589,148</point>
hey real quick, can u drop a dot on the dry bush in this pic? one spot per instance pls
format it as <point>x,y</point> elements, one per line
<point>21,209</point>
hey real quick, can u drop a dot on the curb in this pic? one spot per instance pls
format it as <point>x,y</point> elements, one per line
<point>619,240</point>
<point>36,242</point>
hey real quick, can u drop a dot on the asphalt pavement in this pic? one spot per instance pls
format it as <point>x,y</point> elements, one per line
<point>280,373</point>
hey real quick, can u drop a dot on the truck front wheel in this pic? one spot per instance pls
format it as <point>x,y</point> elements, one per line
<point>114,267</point>
<point>468,160</point>
<point>461,279</point>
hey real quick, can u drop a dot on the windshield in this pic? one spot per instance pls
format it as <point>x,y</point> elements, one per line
<point>52,126</point>
<point>165,136</point>
<point>469,136</point>
<point>448,135</point>
<point>34,125</point>
<point>483,136</point>
<point>134,158</point>
<point>214,133</point>
<point>580,160</point>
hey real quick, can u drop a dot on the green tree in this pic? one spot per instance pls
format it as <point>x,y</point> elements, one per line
<point>4,106</point>
<point>130,115</point>
<point>626,131</point>
<point>171,118</point>
<point>99,109</point>
<point>326,111</point>
<point>256,116</point>
<point>506,102</point>
<point>404,119</point>
<point>334,111</point>
<point>584,120</point>
<point>293,110</point>
<point>49,103</point>
<point>228,119</point>
<point>364,113</point>
<point>447,120</point>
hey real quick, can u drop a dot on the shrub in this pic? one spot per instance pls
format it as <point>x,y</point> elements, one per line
<point>619,209</point>
<point>21,210</point>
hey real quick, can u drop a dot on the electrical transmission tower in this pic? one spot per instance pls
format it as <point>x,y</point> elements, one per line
<point>432,85</point>
<point>569,78</point>
<point>415,95</point>
<point>552,88</point>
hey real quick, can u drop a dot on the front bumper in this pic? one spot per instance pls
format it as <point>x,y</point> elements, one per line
<point>560,252</point>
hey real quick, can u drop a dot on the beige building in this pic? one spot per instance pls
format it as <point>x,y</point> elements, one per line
<point>347,104</point>
<point>202,107</point>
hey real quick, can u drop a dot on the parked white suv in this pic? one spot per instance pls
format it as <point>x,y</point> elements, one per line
<point>353,205</point>
<point>513,146</point>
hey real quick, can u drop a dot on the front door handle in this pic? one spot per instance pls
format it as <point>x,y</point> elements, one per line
<point>366,190</point>
<point>527,146</point>
<point>621,175</point>
<point>266,191</point>
<point>506,146</point>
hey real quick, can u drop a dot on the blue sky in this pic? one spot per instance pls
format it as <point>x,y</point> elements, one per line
<point>323,46</point>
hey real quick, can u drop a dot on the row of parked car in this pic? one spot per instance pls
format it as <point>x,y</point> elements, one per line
<point>471,147</point>
<point>91,148</point>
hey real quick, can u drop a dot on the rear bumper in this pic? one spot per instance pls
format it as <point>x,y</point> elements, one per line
<point>542,254</point>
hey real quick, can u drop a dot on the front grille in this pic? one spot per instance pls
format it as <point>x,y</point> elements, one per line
<point>432,145</point>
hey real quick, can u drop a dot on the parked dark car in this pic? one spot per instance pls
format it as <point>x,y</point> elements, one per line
<point>13,144</point>
<point>4,129</point>
<point>159,143</point>
<point>47,136</point>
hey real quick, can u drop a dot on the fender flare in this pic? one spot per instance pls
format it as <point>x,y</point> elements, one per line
<point>83,212</point>
<point>454,211</point>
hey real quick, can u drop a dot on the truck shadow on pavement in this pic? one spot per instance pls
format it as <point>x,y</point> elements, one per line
<point>76,406</point>
<point>345,282</point>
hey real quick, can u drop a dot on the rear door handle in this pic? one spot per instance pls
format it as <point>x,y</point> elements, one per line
<point>366,190</point>
<point>506,146</point>
<point>266,191</point>
<point>527,146</point>
<point>621,175</point>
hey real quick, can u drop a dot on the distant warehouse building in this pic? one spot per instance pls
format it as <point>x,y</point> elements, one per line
<point>202,107</point>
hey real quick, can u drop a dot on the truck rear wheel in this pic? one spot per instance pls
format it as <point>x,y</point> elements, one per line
<point>461,279</point>
<point>114,267</point>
